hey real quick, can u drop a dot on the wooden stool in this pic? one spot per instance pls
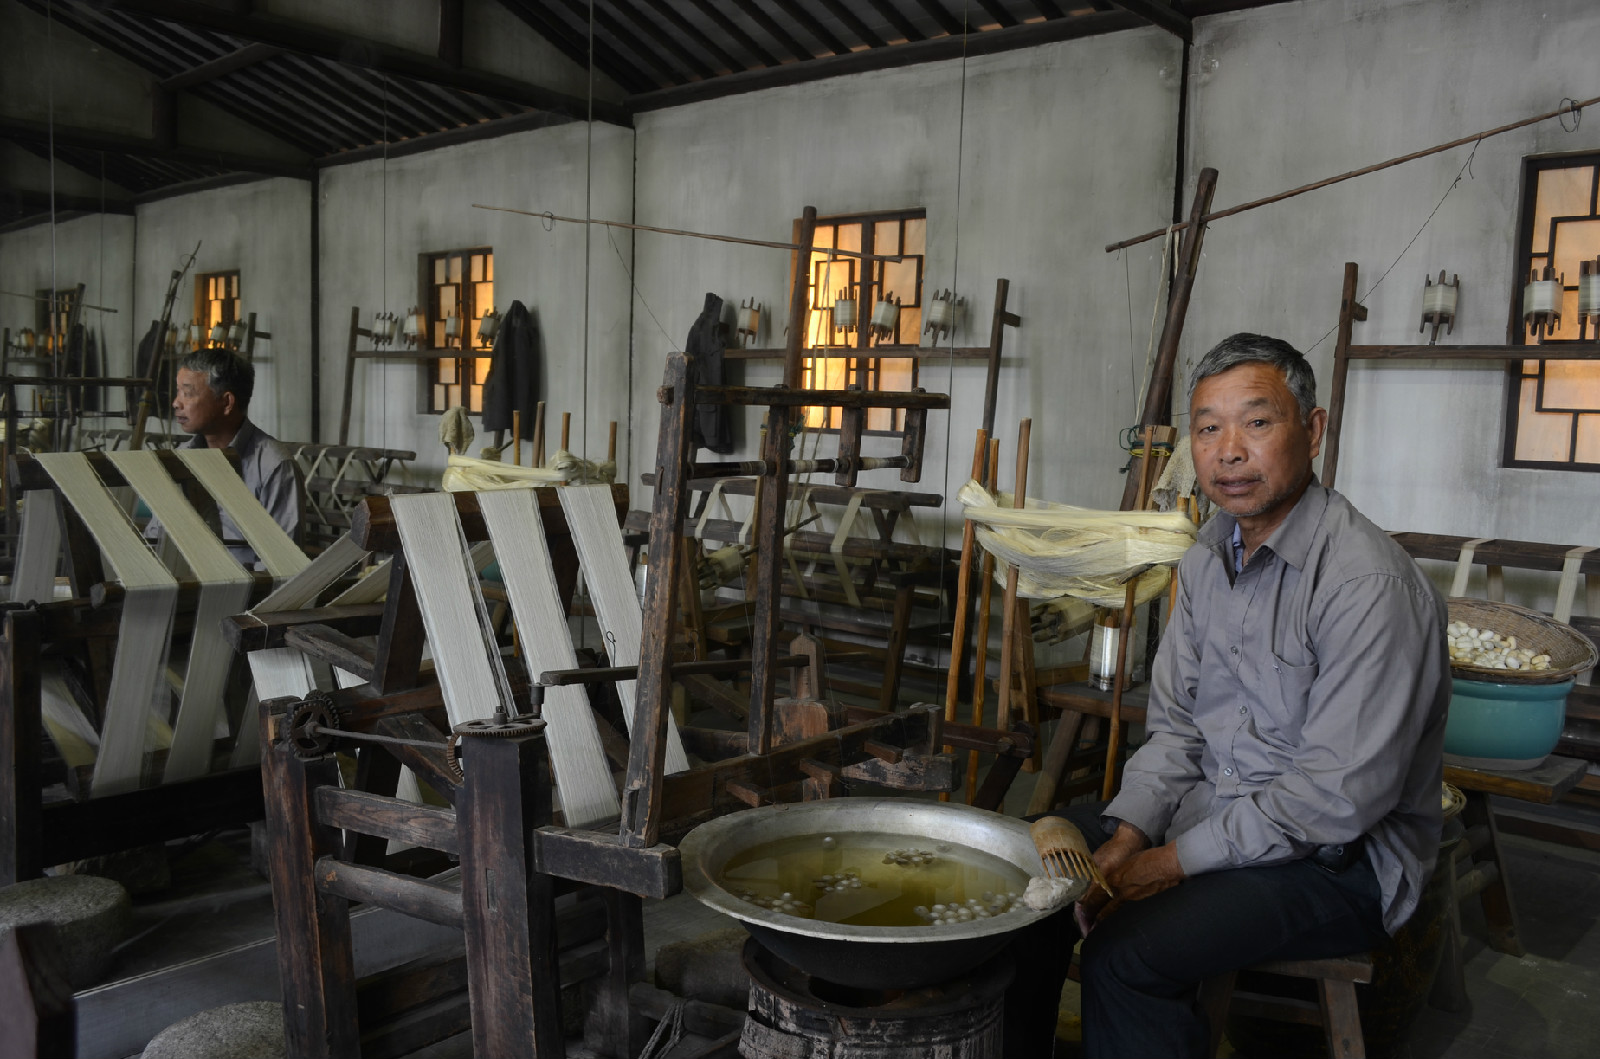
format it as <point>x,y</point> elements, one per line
<point>1335,1009</point>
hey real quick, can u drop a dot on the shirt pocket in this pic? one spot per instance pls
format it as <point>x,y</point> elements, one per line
<point>1286,696</point>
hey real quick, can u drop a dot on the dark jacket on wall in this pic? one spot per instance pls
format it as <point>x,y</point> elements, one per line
<point>513,382</point>
<point>713,427</point>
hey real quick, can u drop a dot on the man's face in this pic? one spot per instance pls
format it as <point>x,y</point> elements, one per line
<point>1252,451</point>
<point>196,408</point>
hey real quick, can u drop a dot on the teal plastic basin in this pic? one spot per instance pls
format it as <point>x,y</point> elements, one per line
<point>1504,726</point>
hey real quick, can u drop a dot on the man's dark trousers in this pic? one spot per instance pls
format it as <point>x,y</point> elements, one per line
<point>1142,966</point>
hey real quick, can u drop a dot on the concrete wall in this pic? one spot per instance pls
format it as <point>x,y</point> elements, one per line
<point>370,252</point>
<point>1065,147</point>
<point>96,251</point>
<point>1289,94</point>
<point>263,229</point>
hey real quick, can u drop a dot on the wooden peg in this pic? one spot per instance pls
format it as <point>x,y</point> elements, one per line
<point>538,435</point>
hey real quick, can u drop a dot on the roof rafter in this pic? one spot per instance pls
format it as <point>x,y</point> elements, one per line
<point>309,39</point>
<point>1162,14</point>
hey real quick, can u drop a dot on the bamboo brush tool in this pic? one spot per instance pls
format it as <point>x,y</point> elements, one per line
<point>1064,852</point>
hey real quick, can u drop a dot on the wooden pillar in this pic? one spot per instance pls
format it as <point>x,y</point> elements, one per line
<point>315,962</point>
<point>616,1027</point>
<point>20,785</point>
<point>349,375</point>
<point>507,907</point>
<point>774,495</point>
<point>1350,311</point>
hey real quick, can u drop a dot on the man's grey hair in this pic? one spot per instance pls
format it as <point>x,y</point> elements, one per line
<point>225,372</point>
<point>1247,348</point>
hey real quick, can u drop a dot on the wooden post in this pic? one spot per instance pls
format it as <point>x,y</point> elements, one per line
<point>958,635</point>
<point>1002,717</point>
<point>616,1027</point>
<point>315,965</point>
<point>611,443</point>
<point>20,782</point>
<point>566,431</point>
<point>641,791</point>
<point>516,437</point>
<point>980,689</point>
<point>349,375</point>
<point>538,435</point>
<point>507,907</point>
<point>997,338</point>
<point>1125,630</point>
<point>1350,311</point>
<point>769,517</point>
<point>1160,392</point>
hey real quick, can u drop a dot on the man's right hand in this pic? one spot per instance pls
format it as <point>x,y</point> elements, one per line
<point>1111,855</point>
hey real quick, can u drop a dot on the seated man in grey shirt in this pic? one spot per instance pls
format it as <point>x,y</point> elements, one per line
<point>1285,804</point>
<point>212,404</point>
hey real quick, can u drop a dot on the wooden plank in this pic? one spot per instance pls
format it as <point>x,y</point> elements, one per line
<point>397,663</point>
<point>335,648</point>
<point>1542,786</point>
<point>1519,555</point>
<point>877,499</point>
<point>74,830</point>
<point>390,818</point>
<point>799,398</point>
<point>1575,351</point>
<point>605,860</point>
<point>256,632</point>
<point>417,898</point>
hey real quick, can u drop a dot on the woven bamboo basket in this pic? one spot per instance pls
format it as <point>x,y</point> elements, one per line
<point>1570,651</point>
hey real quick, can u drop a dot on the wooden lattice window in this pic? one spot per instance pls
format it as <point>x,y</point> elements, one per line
<point>216,299</point>
<point>831,277</point>
<point>1553,406</point>
<point>460,284</point>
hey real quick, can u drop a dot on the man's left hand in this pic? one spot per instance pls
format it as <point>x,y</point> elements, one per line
<point>1142,875</point>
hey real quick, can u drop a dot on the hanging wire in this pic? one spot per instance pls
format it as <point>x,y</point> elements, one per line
<point>955,285</point>
<point>384,78</point>
<point>1465,171</point>
<point>588,232</point>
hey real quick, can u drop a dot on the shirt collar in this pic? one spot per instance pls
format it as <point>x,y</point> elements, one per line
<point>1291,541</point>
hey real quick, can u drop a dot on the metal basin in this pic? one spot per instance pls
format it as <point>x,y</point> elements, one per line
<point>864,957</point>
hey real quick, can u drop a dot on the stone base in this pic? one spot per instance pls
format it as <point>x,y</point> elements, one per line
<point>706,968</point>
<point>90,916</point>
<point>238,1031</point>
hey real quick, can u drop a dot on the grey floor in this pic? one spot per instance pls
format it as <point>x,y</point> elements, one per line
<point>1544,1004</point>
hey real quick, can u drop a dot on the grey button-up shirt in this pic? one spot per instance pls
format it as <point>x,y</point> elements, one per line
<point>1298,702</point>
<point>269,473</point>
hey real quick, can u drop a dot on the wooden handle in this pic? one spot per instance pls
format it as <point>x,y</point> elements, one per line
<point>538,435</point>
<point>1053,833</point>
<point>980,674</point>
<point>516,437</point>
<point>611,444</point>
<point>566,431</point>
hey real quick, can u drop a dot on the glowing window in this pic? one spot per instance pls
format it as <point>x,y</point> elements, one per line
<point>459,284</point>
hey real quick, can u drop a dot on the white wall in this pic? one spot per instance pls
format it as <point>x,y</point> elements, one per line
<point>263,229</point>
<point>96,251</point>
<point>370,253</point>
<point>1288,94</point>
<point>1065,147</point>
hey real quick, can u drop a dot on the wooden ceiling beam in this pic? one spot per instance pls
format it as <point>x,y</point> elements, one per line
<point>26,202</point>
<point>734,31</point>
<point>812,25</point>
<point>136,147</point>
<point>1026,35</point>
<point>308,39</point>
<point>452,32</point>
<point>221,66</point>
<point>1162,14</point>
<point>941,14</point>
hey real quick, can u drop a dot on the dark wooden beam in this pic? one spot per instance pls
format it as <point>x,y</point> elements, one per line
<point>221,66</point>
<point>604,20</point>
<point>1162,14</point>
<point>111,143</point>
<point>813,26</point>
<point>574,46</point>
<point>986,43</point>
<point>997,11</point>
<point>308,39</point>
<point>908,29</point>
<point>941,14</point>
<point>733,30</point>
<point>670,13</point>
<point>779,34</point>
<point>860,28</point>
<point>23,202</point>
<point>452,29</point>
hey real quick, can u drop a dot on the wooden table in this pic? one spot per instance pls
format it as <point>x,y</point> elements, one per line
<point>1480,847</point>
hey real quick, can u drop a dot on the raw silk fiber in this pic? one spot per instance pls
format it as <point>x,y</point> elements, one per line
<point>1060,550</point>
